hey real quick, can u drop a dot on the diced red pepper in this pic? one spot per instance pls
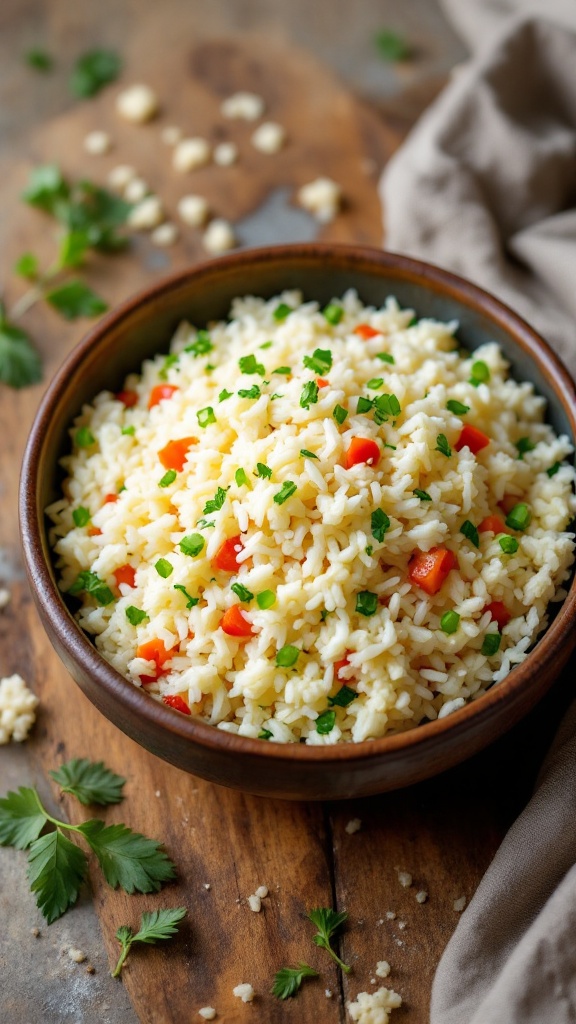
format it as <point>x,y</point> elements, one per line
<point>322,382</point>
<point>362,449</point>
<point>125,574</point>
<point>429,569</point>
<point>176,702</point>
<point>509,501</point>
<point>154,650</point>
<point>472,438</point>
<point>173,456</point>
<point>499,613</point>
<point>234,623</point>
<point>109,499</point>
<point>226,556</point>
<point>128,398</point>
<point>493,524</point>
<point>160,392</point>
<point>94,531</point>
<point>366,331</point>
<point>339,665</point>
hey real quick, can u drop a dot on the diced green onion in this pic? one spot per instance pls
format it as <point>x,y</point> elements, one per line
<point>552,470</point>
<point>241,478</point>
<point>286,491</point>
<point>375,383</point>
<point>333,313</point>
<point>442,446</point>
<point>242,592</point>
<point>249,364</point>
<point>392,446</point>
<point>412,321</point>
<point>519,518</point>
<point>449,622</point>
<point>306,454</point>
<point>369,549</point>
<point>266,599</point>
<point>265,734</point>
<point>164,568</point>
<point>364,405</point>
<point>457,407</point>
<point>524,445</point>
<point>84,437</point>
<point>325,722</point>
<point>135,615</point>
<point>190,601</point>
<point>480,373</point>
<point>284,371</point>
<point>320,361</point>
<point>379,523</point>
<point>168,478</point>
<point>309,394</point>
<point>366,603</point>
<point>385,357</point>
<point>130,431</point>
<point>224,394</point>
<point>81,516</point>
<point>253,392</point>
<point>470,532</point>
<point>491,644</point>
<point>339,414</point>
<point>205,416</point>
<point>343,698</point>
<point>423,495</point>
<point>508,544</point>
<point>287,656</point>
<point>263,471</point>
<point>215,504</point>
<point>192,544</point>
<point>281,311</point>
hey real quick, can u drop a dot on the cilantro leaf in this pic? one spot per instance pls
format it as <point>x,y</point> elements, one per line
<point>56,870</point>
<point>328,922</point>
<point>89,781</point>
<point>320,361</point>
<point>22,818</point>
<point>154,926</point>
<point>288,980</point>
<point>90,583</point>
<point>74,299</point>
<point>215,504</point>
<point>249,364</point>
<point>128,858</point>
<point>46,188</point>
<point>92,71</point>
<point>19,361</point>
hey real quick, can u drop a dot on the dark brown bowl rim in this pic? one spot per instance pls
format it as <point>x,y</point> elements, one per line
<point>194,729</point>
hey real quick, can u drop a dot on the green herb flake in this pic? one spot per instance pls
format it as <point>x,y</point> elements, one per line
<point>263,471</point>
<point>552,470</point>
<point>369,549</point>
<point>84,438</point>
<point>306,454</point>
<point>309,394</point>
<point>192,544</point>
<point>224,395</point>
<point>289,979</point>
<point>75,299</point>
<point>19,361</point>
<point>449,622</point>
<point>392,446</point>
<point>374,383</point>
<point>81,516</point>
<point>423,495</point>
<point>204,523</point>
<point>524,445</point>
<point>284,371</point>
<point>267,344</point>
<point>392,47</point>
<point>168,478</point>
<point>215,504</point>
<point>508,544</point>
<point>343,698</point>
<point>480,373</point>
<point>325,722</point>
<point>242,592</point>
<point>470,532</point>
<point>385,357</point>
<point>281,312</point>
<point>135,615</point>
<point>205,416</point>
<point>519,518</point>
<point>190,601</point>
<point>333,313</point>
<point>155,925</point>
<point>324,614</point>
<point>364,405</point>
<point>90,583</point>
<point>129,431</point>
<point>457,407</point>
<point>170,360</point>
<point>339,414</point>
<point>379,524</point>
<point>386,406</point>
<point>328,922</point>
<point>287,656</point>
<point>241,478</point>
<point>164,568</point>
<point>39,60</point>
<point>366,603</point>
<point>491,644</point>
<point>202,345</point>
<point>265,734</point>
<point>249,364</point>
<point>92,71</point>
<point>442,446</point>
<point>266,599</point>
<point>27,266</point>
<point>286,491</point>
<point>320,361</point>
<point>253,392</point>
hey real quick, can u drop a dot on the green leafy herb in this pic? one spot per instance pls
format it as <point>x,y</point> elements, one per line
<point>508,544</point>
<point>524,445</point>
<point>164,568</point>
<point>192,544</point>
<point>19,361</point>
<point>286,491</point>
<point>39,60</point>
<point>385,357</point>
<point>442,446</point>
<point>128,859</point>
<point>369,549</point>
<point>375,383</point>
<point>84,437</point>
<point>92,71</point>
<point>480,373</point>
<point>552,470</point>
<point>366,603</point>
<point>470,532</point>
<point>190,601</point>
<point>379,523</point>
<point>519,518</point>
<point>284,371</point>
<point>491,644</point>
<point>386,406</point>
<point>325,722</point>
<point>328,922</point>
<point>324,614</point>
<point>224,395</point>
<point>392,46</point>
<point>202,345</point>
<point>263,471</point>
<point>253,392</point>
<point>423,495</point>
<point>90,781</point>
<point>215,504</point>
<point>135,615</point>
<point>392,446</point>
<point>449,622</point>
<point>154,926</point>
<point>339,414</point>
<point>46,188</point>
<point>27,266</point>
<point>265,734</point>
<point>81,516</point>
<point>281,311</point>
<point>309,394</point>
<point>74,299</point>
<point>56,870</point>
<point>168,478</point>
<point>364,405</point>
<point>249,364</point>
<point>288,980</point>
<point>205,416</point>
<point>22,818</point>
<point>267,344</point>
<point>89,583</point>
<point>241,478</point>
<point>320,361</point>
<point>170,360</point>
<point>343,698</point>
<point>266,599</point>
<point>287,656</point>
<point>242,592</point>
<point>333,313</point>
<point>204,523</point>
<point>457,407</point>
<point>130,431</point>
<point>306,454</point>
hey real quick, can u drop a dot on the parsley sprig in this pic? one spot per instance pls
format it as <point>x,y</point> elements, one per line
<point>154,926</point>
<point>328,922</point>
<point>288,980</point>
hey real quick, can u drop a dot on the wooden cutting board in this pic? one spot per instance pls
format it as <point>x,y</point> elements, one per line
<point>226,844</point>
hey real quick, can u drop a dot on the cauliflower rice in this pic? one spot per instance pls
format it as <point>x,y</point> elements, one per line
<point>370,598</point>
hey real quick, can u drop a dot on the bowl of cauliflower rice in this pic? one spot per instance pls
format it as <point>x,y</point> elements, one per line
<point>299,520</point>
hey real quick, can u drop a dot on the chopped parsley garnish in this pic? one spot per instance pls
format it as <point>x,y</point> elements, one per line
<point>135,615</point>
<point>457,407</point>
<point>524,445</point>
<point>328,921</point>
<point>276,395</point>
<point>215,504</point>
<point>168,478</point>
<point>27,266</point>
<point>306,454</point>
<point>491,644</point>
<point>205,416</point>
<point>169,361</point>
<point>224,394</point>
<point>508,544</point>
<point>287,656</point>
<point>374,383</point>
<point>288,980</point>
<point>442,446</point>
<point>470,532</point>
<point>90,583</point>
<point>325,722</point>
<point>369,549</point>
<point>84,437</point>
<point>423,495</point>
<point>249,364</point>
<point>192,544</point>
<point>339,414</point>
<point>519,518</point>
<point>379,523</point>
<point>267,344</point>
<point>164,568</point>
<point>552,470</point>
<point>241,478</point>
<point>202,345</point>
<point>284,371</point>
<point>204,523</point>
<point>320,361</point>
<point>324,614</point>
<point>242,592</point>
<point>449,622</point>
<point>281,311</point>
<point>286,491</point>
<point>385,406</point>
<point>385,357</point>
<point>366,603</point>
<point>266,599</point>
<point>343,698</point>
<point>265,734</point>
<point>309,394</point>
<point>333,313</point>
<point>154,926</point>
<point>263,471</point>
<point>92,71</point>
<point>480,373</point>
<point>130,431</point>
<point>393,47</point>
<point>364,405</point>
<point>253,392</point>
<point>81,516</point>
<point>190,601</point>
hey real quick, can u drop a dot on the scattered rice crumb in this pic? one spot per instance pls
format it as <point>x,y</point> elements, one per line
<point>189,154</point>
<point>390,914</point>
<point>207,886</point>
<point>208,1012</point>
<point>246,106</point>
<point>165,234</point>
<point>382,968</point>
<point>157,793</point>
<point>372,981</point>
<point>255,903</point>
<point>354,825</point>
<point>225,154</point>
<point>262,892</point>
<point>269,137</point>
<point>120,176</point>
<point>460,903</point>
<point>328,993</point>
<point>171,135</point>
<point>219,237</point>
<point>193,210</point>
<point>401,925</point>
<point>421,896</point>
<point>374,1007</point>
<point>321,197</point>
<point>136,190</point>
<point>97,143</point>
<point>35,932</point>
<point>405,878</point>
<point>146,215</point>
<point>17,709</point>
<point>380,920</point>
<point>138,103</point>
<point>4,597</point>
<point>76,955</point>
<point>245,992</point>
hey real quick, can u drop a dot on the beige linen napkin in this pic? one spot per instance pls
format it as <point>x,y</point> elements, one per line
<point>485,185</point>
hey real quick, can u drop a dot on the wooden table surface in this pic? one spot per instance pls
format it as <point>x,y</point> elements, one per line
<point>226,844</point>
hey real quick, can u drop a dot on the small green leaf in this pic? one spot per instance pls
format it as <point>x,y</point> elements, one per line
<point>253,392</point>
<point>75,299</point>
<point>46,188</point>
<point>191,602</point>
<point>90,781</point>
<point>242,592</point>
<point>73,246</point>
<point>284,371</point>
<point>84,438</point>
<point>470,532</point>
<point>552,470</point>
<point>27,266</point>
<point>90,583</point>
<point>288,980</point>
<point>442,446</point>
<point>127,858</point>
<point>385,357</point>
<point>320,361</point>
<point>392,47</point>
<point>249,364</point>
<point>241,478</point>
<point>379,523</point>
<point>205,416</point>
<point>491,644</point>
<point>366,603</point>
<point>524,445</point>
<point>333,313</point>
<point>306,454</point>
<point>19,361</point>
<point>22,818</point>
<point>92,71</point>
<point>309,394</point>
<point>263,471</point>
<point>168,478</point>
<point>339,414</point>
<point>56,870</point>
<point>135,615</point>
<point>343,698</point>
<point>457,407</point>
<point>202,345</point>
<point>39,60</point>
<point>215,504</point>
<point>281,311</point>
<point>81,516</point>
<point>423,495</point>
<point>265,734</point>
<point>286,491</point>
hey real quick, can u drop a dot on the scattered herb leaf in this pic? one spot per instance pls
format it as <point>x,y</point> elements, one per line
<point>190,601</point>
<point>442,446</point>
<point>328,922</point>
<point>135,615</point>
<point>92,71</point>
<point>154,926</point>
<point>379,523</point>
<point>89,781</point>
<point>286,491</point>
<point>288,980</point>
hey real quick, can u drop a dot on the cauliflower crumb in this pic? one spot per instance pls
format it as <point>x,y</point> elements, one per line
<point>405,878</point>
<point>17,706</point>
<point>225,154</point>
<point>146,215</point>
<point>391,915</point>
<point>136,190</point>
<point>190,154</point>
<point>354,825</point>
<point>171,135</point>
<point>328,993</point>
<point>76,955</point>
<point>193,210</point>
<point>138,103</point>
<point>401,925</point>
<point>165,234</point>
<point>35,932</point>
<point>460,903</point>
<point>97,143</point>
<point>269,137</point>
<point>255,903</point>
<point>246,106</point>
<point>245,992</point>
<point>322,198</point>
<point>207,886</point>
<point>4,597</point>
<point>157,793</point>
<point>120,176</point>
<point>382,968</point>
<point>374,1007</point>
<point>262,891</point>
<point>208,1012</point>
<point>421,896</point>
<point>218,237</point>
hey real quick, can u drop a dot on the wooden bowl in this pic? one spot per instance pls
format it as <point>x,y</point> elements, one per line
<point>143,326</point>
